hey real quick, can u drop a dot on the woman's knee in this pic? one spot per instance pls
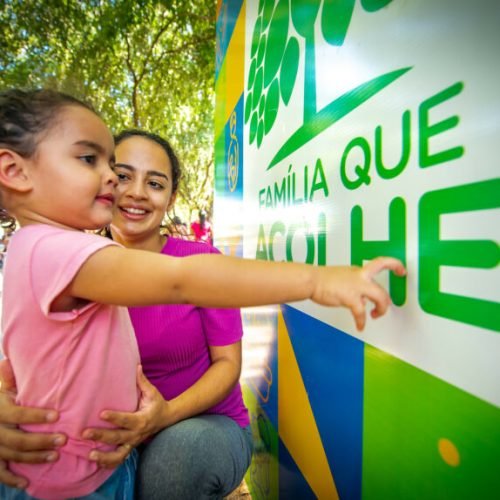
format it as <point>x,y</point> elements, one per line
<point>203,457</point>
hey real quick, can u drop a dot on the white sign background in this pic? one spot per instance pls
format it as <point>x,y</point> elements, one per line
<point>445,42</point>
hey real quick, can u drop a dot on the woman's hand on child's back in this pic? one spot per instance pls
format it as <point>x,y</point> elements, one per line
<point>352,286</point>
<point>15,444</point>
<point>132,428</point>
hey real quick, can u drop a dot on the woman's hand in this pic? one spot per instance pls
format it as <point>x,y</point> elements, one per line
<point>133,428</point>
<point>15,444</point>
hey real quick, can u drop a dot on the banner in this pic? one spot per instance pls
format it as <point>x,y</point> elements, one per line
<point>347,130</point>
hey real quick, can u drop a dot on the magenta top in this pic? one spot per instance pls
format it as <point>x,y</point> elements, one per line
<point>173,340</point>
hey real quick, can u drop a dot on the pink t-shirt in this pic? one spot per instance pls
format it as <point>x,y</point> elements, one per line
<point>174,340</point>
<point>78,362</point>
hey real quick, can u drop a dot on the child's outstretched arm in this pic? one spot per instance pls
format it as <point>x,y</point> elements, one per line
<point>126,277</point>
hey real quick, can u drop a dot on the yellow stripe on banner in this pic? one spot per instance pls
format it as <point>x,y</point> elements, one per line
<point>231,79</point>
<point>296,423</point>
<point>220,102</point>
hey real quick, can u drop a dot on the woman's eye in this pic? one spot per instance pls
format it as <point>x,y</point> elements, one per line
<point>90,159</point>
<point>156,185</point>
<point>121,177</point>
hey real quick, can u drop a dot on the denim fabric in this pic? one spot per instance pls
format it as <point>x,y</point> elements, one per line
<point>119,486</point>
<point>199,458</point>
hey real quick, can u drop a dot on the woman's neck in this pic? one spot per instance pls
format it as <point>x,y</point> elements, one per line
<point>153,242</point>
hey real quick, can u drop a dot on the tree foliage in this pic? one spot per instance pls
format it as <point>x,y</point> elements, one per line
<point>142,63</point>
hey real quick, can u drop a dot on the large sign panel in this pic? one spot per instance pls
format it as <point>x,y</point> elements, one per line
<point>345,130</point>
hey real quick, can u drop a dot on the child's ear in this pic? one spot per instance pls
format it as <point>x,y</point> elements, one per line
<point>14,173</point>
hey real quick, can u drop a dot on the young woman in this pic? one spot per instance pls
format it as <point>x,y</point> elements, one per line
<point>192,355</point>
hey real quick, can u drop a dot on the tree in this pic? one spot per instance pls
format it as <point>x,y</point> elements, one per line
<point>142,63</point>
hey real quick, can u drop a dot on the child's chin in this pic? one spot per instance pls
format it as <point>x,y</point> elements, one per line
<point>100,224</point>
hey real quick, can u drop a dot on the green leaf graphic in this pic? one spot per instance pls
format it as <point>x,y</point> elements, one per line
<point>272,103</point>
<point>334,111</point>
<point>255,37</point>
<point>304,14</point>
<point>341,12</point>
<point>288,71</point>
<point>251,73</point>
<point>253,127</point>
<point>261,50</point>
<point>374,5</point>
<point>268,11</point>
<point>278,32</point>
<point>257,91</point>
<point>275,56</point>
<point>260,132</point>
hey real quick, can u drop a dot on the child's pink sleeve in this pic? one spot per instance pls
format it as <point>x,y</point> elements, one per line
<point>56,260</point>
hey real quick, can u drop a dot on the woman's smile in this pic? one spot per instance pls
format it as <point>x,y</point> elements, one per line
<point>133,213</point>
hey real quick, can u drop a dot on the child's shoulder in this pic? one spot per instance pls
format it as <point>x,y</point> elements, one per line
<point>48,240</point>
<point>41,231</point>
<point>33,233</point>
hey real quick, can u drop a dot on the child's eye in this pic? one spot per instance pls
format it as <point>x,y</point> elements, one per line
<point>90,159</point>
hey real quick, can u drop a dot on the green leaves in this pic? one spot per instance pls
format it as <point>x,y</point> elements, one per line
<point>142,63</point>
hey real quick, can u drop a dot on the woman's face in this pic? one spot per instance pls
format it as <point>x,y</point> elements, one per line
<point>144,191</point>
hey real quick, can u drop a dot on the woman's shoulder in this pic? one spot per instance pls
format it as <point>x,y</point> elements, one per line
<point>181,247</point>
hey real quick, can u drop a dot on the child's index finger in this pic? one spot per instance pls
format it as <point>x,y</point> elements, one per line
<point>385,263</point>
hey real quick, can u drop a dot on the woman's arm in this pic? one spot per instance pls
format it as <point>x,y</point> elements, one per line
<point>211,388</point>
<point>120,276</point>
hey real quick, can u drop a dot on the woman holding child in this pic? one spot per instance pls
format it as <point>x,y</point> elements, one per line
<point>202,444</point>
<point>192,355</point>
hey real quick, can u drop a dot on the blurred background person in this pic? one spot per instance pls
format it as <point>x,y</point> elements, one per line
<point>202,229</point>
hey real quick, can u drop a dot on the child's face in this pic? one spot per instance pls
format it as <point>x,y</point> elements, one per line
<point>73,183</point>
<point>144,189</point>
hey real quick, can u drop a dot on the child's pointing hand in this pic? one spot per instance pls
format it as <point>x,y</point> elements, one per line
<point>351,286</point>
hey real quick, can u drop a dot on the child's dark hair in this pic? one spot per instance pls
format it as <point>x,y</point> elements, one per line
<point>24,116</point>
<point>163,143</point>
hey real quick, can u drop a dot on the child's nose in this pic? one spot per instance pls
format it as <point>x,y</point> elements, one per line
<point>111,177</point>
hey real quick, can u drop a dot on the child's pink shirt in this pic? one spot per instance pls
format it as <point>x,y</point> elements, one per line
<point>78,362</point>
